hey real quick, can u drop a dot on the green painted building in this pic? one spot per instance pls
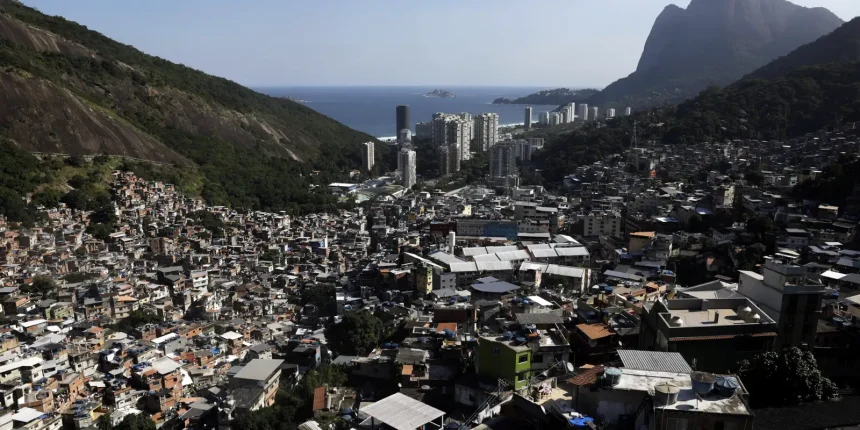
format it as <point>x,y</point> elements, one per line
<point>504,359</point>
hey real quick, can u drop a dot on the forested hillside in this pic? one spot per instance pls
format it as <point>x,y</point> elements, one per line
<point>67,89</point>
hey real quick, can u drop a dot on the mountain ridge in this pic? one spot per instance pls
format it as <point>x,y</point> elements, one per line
<point>841,45</point>
<point>67,89</point>
<point>713,42</point>
<point>557,96</point>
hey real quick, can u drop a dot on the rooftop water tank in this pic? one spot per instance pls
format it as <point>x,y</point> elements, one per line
<point>753,317</point>
<point>726,385</point>
<point>611,376</point>
<point>665,394</point>
<point>743,311</point>
<point>676,321</point>
<point>703,382</point>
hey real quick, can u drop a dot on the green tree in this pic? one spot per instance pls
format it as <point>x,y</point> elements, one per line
<point>136,422</point>
<point>104,422</point>
<point>321,296</point>
<point>358,334</point>
<point>786,378</point>
<point>751,256</point>
<point>272,255</point>
<point>42,285</point>
<point>136,319</point>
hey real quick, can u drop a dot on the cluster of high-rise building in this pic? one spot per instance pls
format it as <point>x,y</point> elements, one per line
<point>569,113</point>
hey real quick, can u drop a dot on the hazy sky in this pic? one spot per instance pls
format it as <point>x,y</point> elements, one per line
<point>390,42</point>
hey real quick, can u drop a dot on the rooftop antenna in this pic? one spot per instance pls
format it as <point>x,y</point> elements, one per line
<point>634,144</point>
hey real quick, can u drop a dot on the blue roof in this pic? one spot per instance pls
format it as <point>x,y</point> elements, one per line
<point>497,287</point>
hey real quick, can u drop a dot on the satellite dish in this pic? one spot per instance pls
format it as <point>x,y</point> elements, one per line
<point>570,367</point>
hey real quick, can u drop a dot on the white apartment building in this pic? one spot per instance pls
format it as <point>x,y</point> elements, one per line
<point>407,162</point>
<point>784,292</point>
<point>594,112</point>
<point>583,112</point>
<point>453,130</point>
<point>543,118</point>
<point>368,157</point>
<point>486,130</point>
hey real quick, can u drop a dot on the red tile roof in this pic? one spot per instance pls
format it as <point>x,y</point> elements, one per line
<point>319,399</point>
<point>595,331</point>
<point>587,377</point>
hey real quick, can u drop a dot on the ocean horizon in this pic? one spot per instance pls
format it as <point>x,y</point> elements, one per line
<point>372,109</point>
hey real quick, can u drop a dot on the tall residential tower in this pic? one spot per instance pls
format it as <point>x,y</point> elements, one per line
<point>368,156</point>
<point>527,121</point>
<point>402,119</point>
<point>407,163</point>
<point>486,131</point>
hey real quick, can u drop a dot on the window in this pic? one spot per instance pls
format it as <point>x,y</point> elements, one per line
<point>676,424</point>
<point>523,358</point>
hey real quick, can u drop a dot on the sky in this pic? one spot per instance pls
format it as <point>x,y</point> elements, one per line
<point>573,43</point>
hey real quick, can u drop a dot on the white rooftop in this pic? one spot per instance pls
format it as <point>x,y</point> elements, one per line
<point>231,335</point>
<point>25,415</point>
<point>402,412</point>
<point>165,365</point>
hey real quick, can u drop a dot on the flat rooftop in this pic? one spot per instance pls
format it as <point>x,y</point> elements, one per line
<point>259,369</point>
<point>706,318</point>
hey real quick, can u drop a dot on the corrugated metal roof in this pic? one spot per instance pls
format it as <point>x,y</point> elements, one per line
<point>494,266</point>
<point>444,257</point>
<point>463,267</point>
<point>471,252</point>
<point>402,412</point>
<point>513,255</point>
<point>544,253</point>
<point>530,265</point>
<point>486,257</point>
<point>656,361</point>
<point>571,251</point>
<point>567,271</point>
<point>498,249</point>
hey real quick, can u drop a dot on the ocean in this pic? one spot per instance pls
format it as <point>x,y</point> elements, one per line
<point>372,109</point>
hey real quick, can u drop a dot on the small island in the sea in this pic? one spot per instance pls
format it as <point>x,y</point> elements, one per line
<point>439,93</point>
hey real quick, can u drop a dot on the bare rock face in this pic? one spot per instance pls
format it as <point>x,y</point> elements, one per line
<point>714,42</point>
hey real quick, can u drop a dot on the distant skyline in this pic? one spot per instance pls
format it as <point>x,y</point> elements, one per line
<point>390,42</point>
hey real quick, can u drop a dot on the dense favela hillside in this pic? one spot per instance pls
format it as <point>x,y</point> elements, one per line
<point>66,89</point>
<point>713,42</point>
<point>803,101</point>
